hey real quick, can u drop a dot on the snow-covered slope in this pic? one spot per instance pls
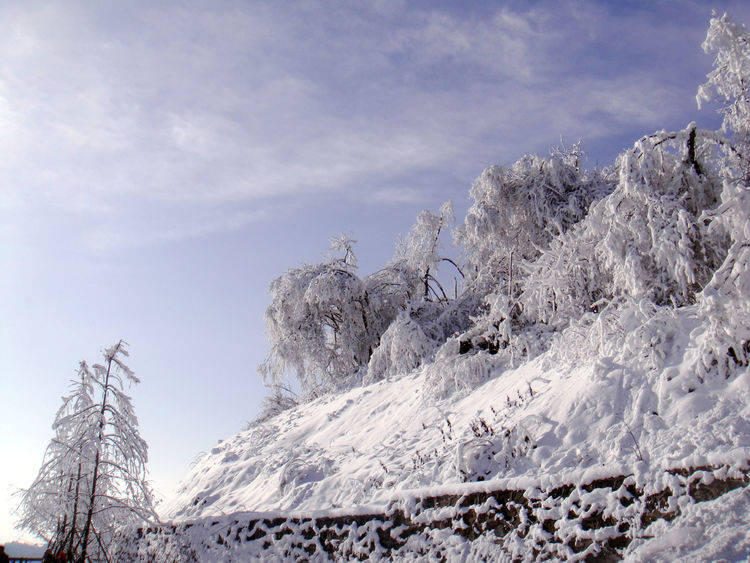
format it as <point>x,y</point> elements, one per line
<point>622,340</point>
<point>588,402</point>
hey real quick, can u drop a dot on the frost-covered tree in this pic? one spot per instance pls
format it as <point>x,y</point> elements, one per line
<point>730,80</point>
<point>119,492</point>
<point>93,479</point>
<point>726,298</point>
<point>655,245</point>
<point>645,240</point>
<point>516,212</point>
<point>319,324</point>
<point>420,250</point>
<point>518,209</point>
<point>408,290</point>
<point>53,506</point>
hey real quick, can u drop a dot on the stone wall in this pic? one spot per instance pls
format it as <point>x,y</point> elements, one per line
<point>593,521</point>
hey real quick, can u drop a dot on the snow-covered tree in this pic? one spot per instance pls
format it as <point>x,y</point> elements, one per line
<point>408,290</point>
<point>53,506</point>
<point>730,80</point>
<point>516,212</point>
<point>655,245</point>
<point>645,240</point>
<point>518,209</point>
<point>93,478</point>
<point>319,324</point>
<point>324,322</point>
<point>726,298</point>
<point>420,250</point>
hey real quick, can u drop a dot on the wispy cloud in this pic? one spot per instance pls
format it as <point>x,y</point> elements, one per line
<point>210,114</point>
<point>396,196</point>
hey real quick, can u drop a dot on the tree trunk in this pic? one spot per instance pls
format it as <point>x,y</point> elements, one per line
<point>691,153</point>
<point>72,533</point>
<point>95,476</point>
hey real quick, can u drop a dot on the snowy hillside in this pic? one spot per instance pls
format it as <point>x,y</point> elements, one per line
<point>577,406</point>
<point>603,324</point>
<point>550,415</point>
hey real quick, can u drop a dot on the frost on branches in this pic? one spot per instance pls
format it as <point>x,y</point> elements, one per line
<point>644,240</point>
<point>321,324</point>
<point>546,245</point>
<point>93,478</point>
<point>420,250</point>
<point>730,80</point>
<point>518,209</point>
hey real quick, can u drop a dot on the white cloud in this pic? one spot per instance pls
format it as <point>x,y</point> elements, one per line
<point>394,196</point>
<point>114,110</point>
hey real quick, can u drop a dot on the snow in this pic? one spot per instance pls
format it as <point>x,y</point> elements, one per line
<point>588,415</point>
<point>710,531</point>
<point>602,332</point>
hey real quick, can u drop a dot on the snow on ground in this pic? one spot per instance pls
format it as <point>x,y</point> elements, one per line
<point>577,406</point>
<point>713,531</point>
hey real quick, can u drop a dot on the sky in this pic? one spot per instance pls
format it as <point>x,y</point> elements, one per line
<point>161,163</point>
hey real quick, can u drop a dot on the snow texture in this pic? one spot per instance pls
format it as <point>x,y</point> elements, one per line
<point>611,394</point>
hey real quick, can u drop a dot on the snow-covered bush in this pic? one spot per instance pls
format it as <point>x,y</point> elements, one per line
<point>452,372</point>
<point>403,347</point>
<point>279,399</point>
<point>649,237</point>
<point>298,472</point>
<point>490,453</point>
<point>501,331</point>
<point>726,299</point>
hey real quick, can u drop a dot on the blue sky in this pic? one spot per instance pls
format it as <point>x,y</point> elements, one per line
<point>161,163</point>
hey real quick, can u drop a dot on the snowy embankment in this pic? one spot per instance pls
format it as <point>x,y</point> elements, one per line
<point>602,331</point>
<point>611,394</point>
<point>594,519</point>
